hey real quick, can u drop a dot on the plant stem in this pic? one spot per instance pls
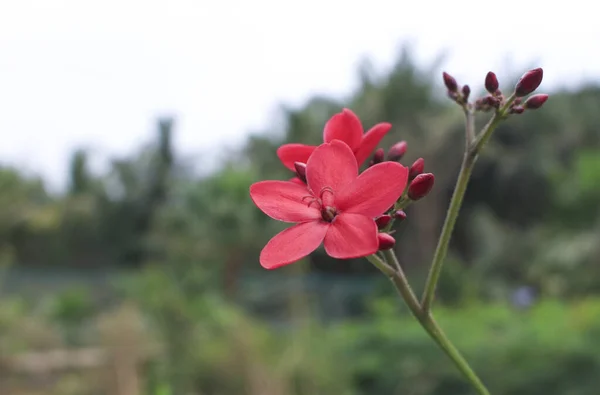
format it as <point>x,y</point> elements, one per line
<point>426,320</point>
<point>451,216</point>
<point>469,158</point>
<point>469,126</point>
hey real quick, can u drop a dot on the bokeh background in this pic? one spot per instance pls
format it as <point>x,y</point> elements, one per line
<point>131,131</point>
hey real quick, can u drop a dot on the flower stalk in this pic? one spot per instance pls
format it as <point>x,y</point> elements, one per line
<point>473,148</point>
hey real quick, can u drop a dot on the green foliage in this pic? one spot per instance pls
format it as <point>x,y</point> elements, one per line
<point>550,349</point>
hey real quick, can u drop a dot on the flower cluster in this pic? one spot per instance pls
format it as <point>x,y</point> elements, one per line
<point>330,202</point>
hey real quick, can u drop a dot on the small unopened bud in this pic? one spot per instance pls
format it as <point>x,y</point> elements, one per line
<point>383,221</point>
<point>492,101</point>
<point>491,83</point>
<point>529,82</point>
<point>466,91</point>
<point>517,110</point>
<point>450,82</point>
<point>377,157</point>
<point>400,215</point>
<point>420,186</point>
<point>416,168</point>
<point>536,101</point>
<point>397,151</point>
<point>386,241</point>
<point>300,170</point>
<point>453,95</point>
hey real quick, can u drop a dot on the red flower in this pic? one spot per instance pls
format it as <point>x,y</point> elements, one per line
<point>344,126</point>
<point>337,206</point>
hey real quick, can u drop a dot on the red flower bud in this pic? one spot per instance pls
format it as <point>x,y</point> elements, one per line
<point>416,168</point>
<point>529,82</point>
<point>466,91</point>
<point>420,186</point>
<point>383,221</point>
<point>491,82</point>
<point>450,82</point>
<point>536,101</point>
<point>397,151</point>
<point>386,241</point>
<point>400,215</point>
<point>491,101</point>
<point>517,110</point>
<point>300,170</point>
<point>377,157</point>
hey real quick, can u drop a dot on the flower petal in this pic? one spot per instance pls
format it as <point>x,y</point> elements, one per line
<point>332,165</point>
<point>370,140</point>
<point>374,191</point>
<point>290,153</point>
<point>351,236</point>
<point>282,200</point>
<point>293,244</point>
<point>344,126</point>
<point>298,181</point>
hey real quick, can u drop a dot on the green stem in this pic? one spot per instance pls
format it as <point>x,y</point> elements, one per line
<point>451,216</point>
<point>426,320</point>
<point>469,126</point>
<point>471,153</point>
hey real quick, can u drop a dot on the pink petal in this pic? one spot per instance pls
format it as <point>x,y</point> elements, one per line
<point>333,166</point>
<point>298,181</point>
<point>370,140</point>
<point>374,191</point>
<point>282,200</point>
<point>351,236</point>
<point>293,244</point>
<point>344,126</point>
<point>290,153</point>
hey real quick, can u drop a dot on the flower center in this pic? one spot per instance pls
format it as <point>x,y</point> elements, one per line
<point>328,213</point>
<point>324,202</point>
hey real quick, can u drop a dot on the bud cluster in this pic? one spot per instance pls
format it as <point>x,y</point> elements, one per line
<point>494,99</point>
<point>459,95</point>
<point>527,84</point>
<point>419,185</point>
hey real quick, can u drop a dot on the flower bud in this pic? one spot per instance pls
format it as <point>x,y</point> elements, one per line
<point>492,101</point>
<point>383,220</point>
<point>400,215</point>
<point>386,241</point>
<point>300,170</point>
<point>416,168</point>
<point>466,91</point>
<point>450,82</point>
<point>529,82</point>
<point>517,110</point>
<point>420,186</point>
<point>377,157</point>
<point>491,83</point>
<point>397,151</point>
<point>536,101</point>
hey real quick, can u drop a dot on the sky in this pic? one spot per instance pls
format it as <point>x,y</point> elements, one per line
<point>97,74</point>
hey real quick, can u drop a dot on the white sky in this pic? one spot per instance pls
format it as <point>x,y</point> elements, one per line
<point>97,73</point>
